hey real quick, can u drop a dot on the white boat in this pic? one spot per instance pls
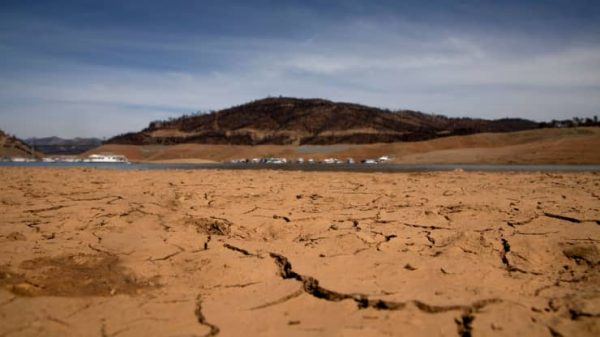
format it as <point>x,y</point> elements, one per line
<point>277,161</point>
<point>70,160</point>
<point>106,158</point>
<point>22,160</point>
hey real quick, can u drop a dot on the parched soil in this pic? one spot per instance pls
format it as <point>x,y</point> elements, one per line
<point>92,252</point>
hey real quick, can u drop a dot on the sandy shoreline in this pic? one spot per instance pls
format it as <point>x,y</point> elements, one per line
<point>542,146</point>
<point>88,252</point>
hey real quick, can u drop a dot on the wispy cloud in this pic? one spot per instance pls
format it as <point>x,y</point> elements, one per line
<point>79,81</point>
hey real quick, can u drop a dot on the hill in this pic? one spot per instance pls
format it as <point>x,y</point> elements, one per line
<point>294,121</point>
<point>56,145</point>
<point>11,146</point>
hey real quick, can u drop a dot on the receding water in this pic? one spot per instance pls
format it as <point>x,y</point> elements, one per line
<point>319,167</point>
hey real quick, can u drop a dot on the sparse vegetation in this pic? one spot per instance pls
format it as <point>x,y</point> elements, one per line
<point>571,123</point>
<point>12,146</point>
<point>285,121</point>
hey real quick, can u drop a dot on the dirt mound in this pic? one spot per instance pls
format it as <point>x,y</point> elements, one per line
<point>72,276</point>
<point>585,252</point>
<point>210,226</point>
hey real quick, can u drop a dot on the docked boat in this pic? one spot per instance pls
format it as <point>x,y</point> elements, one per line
<point>106,158</point>
<point>22,160</point>
<point>277,161</point>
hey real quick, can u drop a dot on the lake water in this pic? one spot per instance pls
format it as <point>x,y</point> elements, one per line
<point>320,167</point>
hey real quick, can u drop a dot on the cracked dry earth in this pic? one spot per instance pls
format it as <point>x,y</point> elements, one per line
<point>90,252</point>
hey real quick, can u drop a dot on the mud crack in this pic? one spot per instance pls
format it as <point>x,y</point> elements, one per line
<point>284,218</point>
<point>214,330</point>
<point>279,301</point>
<point>505,250</point>
<point>240,250</point>
<point>430,238</point>
<point>311,286</point>
<point>40,210</point>
<point>464,325</point>
<point>506,262</point>
<point>431,227</point>
<point>168,256</point>
<point>570,219</point>
<point>562,217</point>
<point>387,238</point>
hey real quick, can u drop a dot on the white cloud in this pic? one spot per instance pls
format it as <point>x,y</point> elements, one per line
<point>363,62</point>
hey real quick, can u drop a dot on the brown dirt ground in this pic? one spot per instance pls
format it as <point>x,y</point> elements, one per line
<point>92,252</point>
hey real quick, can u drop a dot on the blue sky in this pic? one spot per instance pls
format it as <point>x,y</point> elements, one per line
<point>98,68</point>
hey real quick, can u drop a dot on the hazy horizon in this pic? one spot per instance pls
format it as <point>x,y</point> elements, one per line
<point>97,69</point>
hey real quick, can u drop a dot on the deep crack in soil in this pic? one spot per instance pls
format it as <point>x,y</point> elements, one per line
<point>464,325</point>
<point>562,217</point>
<point>239,250</point>
<point>214,330</point>
<point>505,250</point>
<point>311,286</point>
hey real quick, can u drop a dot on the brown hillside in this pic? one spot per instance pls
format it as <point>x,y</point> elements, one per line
<point>11,146</point>
<point>287,121</point>
<point>549,146</point>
